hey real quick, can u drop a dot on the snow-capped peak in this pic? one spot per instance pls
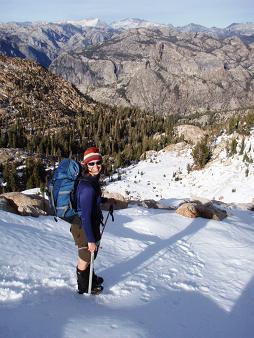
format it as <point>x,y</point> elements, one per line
<point>93,22</point>
<point>192,27</point>
<point>134,23</point>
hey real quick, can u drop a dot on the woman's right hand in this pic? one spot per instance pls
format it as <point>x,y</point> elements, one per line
<point>92,247</point>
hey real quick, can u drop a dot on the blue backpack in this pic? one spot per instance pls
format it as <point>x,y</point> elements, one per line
<point>62,189</point>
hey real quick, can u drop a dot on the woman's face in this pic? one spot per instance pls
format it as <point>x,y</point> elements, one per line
<point>94,167</point>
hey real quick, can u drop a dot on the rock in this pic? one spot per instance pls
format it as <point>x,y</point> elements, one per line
<point>26,205</point>
<point>197,209</point>
<point>178,147</point>
<point>188,210</point>
<point>190,133</point>
<point>209,211</point>
<point>7,205</point>
<point>150,204</point>
<point>118,201</point>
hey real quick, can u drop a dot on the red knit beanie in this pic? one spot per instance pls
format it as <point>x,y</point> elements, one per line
<point>91,154</point>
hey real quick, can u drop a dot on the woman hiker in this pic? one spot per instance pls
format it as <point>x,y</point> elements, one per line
<point>85,228</point>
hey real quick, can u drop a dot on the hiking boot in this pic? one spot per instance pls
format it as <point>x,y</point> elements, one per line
<point>83,282</point>
<point>97,280</point>
<point>96,290</point>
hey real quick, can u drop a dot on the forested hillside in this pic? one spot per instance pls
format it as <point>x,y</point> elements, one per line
<point>49,119</point>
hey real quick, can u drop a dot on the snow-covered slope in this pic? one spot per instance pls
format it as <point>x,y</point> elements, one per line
<point>165,175</point>
<point>165,275</point>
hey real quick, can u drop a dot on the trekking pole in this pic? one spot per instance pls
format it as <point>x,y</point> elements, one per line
<point>110,212</point>
<point>91,274</point>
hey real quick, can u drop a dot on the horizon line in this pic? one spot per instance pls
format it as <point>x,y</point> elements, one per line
<point>59,21</point>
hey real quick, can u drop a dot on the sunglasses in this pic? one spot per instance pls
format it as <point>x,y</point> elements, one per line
<point>92,164</point>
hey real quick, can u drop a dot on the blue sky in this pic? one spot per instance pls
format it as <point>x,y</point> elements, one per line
<point>218,13</point>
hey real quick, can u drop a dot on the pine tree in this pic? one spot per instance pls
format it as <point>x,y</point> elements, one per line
<point>233,147</point>
<point>35,174</point>
<point>3,139</point>
<point>201,153</point>
<point>10,176</point>
<point>242,146</point>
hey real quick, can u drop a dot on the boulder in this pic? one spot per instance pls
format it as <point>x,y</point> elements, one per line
<point>8,205</point>
<point>188,210</point>
<point>118,201</point>
<point>150,204</point>
<point>197,209</point>
<point>25,205</point>
<point>190,133</point>
<point>209,211</point>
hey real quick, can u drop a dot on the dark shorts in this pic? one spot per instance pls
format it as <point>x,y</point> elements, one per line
<point>80,239</point>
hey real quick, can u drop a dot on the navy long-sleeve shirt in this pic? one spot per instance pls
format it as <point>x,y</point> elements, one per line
<point>88,205</point>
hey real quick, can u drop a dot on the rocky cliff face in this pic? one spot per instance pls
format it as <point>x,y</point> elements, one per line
<point>164,71</point>
<point>43,42</point>
<point>160,69</point>
<point>39,42</point>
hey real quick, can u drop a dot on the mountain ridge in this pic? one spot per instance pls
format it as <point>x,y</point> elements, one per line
<point>162,69</point>
<point>136,23</point>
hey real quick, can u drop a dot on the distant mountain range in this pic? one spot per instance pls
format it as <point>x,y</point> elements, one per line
<point>130,23</point>
<point>234,28</point>
<point>133,62</point>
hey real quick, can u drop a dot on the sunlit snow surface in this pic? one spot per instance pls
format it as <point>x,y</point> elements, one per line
<point>165,275</point>
<point>165,176</point>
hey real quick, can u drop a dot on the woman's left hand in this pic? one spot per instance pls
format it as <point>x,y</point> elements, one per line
<point>92,247</point>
